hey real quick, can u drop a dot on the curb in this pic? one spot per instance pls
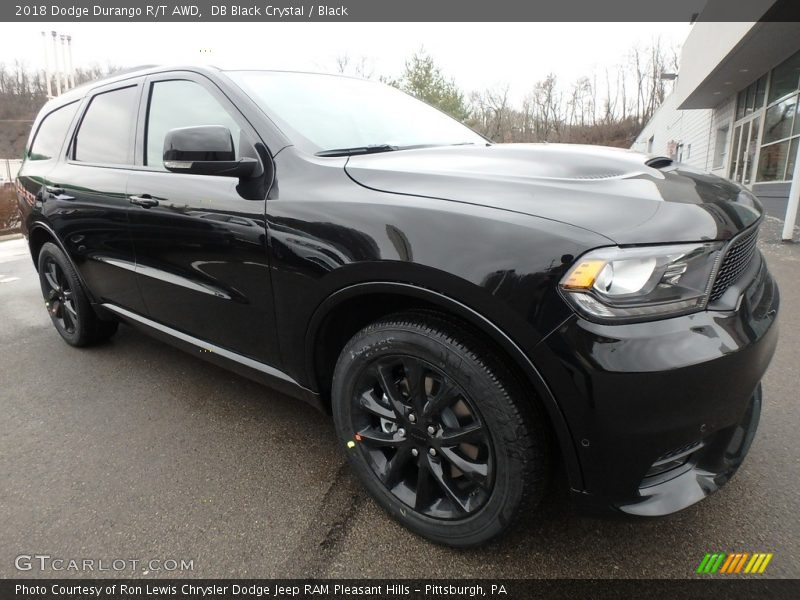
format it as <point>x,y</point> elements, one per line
<point>10,236</point>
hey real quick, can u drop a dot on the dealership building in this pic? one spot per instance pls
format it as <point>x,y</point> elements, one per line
<point>734,110</point>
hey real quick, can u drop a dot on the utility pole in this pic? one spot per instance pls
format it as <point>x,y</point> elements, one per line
<point>65,81</point>
<point>55,60</point>
<point>47,66</point>
<point>69,56</point>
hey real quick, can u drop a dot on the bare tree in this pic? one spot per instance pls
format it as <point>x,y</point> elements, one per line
<point>345,65</point>
<point>491,114</point>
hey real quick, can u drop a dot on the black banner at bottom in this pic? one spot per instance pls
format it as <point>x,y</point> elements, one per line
<point>405,589</point>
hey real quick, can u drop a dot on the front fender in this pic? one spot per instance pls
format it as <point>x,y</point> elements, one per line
<point>475,318</point>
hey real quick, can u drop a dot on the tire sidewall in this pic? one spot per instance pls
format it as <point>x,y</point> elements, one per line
<point>481,387</point>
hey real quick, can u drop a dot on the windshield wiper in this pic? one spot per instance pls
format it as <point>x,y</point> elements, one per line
<point>375,148</point>
<point>358,150</point>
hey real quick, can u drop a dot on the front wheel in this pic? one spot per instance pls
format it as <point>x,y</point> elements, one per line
<point>438,429</point>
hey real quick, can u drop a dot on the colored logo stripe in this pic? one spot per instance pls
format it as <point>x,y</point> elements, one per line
<point>734,563</point>
<point>711,562</point>
<point>758,563</point>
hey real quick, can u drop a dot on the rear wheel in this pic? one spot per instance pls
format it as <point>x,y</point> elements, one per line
<point>66,301</point>
<point>437,429</point>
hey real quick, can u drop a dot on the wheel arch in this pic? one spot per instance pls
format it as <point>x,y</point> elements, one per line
<point>39,233</point>
<point>346,311</point>
<point>38,236</point>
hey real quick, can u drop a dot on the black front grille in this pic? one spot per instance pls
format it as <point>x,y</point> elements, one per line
<point>737,258</point>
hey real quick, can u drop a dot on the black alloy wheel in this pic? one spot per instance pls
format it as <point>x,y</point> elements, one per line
<point>443,436</point>
<point>66,302</point>
<point>59,298</point>
<point>423,437</point>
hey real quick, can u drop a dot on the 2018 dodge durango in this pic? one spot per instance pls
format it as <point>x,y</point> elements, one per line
<point>473,315</point>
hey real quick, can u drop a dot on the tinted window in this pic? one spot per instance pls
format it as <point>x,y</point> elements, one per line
<point>785,78</point>
<point>181,103</point>
<point>772,162</point>
<point>106,132</point>
<point>779,120</point>
<point>51,133</point>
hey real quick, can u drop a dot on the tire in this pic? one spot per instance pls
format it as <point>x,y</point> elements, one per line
<point>66,301</point>
<point>438,430</point>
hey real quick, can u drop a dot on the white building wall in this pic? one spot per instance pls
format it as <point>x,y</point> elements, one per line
<point>671,128</point>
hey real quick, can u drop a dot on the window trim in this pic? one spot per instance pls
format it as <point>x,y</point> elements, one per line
<point>781,98</point>
<point>87,103</point>
<point>761,113</point>
<point>723,158</point>
<point>789,138</point>
<point>786,175</point>
<point>758,113</point>
<point>791,135</point>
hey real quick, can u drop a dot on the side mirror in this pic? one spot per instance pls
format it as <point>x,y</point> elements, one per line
<point>205,150</point>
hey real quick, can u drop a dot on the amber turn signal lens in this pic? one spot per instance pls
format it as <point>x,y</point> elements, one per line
<point>583,275</point>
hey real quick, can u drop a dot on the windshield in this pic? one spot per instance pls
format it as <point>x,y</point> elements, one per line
<point>326,113</point>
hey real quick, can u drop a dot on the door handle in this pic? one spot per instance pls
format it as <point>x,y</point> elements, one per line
<point>58,192</point>
<point>145,201</point>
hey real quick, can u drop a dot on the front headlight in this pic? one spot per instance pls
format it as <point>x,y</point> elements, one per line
<point>629,284</point>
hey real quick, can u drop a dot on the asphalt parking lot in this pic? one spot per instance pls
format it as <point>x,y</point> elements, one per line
<point>135,450</point>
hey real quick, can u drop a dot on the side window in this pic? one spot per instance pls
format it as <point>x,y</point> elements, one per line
<point>105,134</point>
<point>51,133</point>
<point>181,103</point>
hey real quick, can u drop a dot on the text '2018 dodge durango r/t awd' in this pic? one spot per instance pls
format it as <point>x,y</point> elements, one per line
<point>472,314</point>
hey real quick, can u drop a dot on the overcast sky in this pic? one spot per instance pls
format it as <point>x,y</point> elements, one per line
<point>476,55</point>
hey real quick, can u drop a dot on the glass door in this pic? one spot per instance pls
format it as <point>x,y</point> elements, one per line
<point>745,146</point>
<point>747,132</point>
<point>750,152</point>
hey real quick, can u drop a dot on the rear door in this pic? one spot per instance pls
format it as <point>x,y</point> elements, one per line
<point>201,240</point>
<point>87,206</point>
<point>41,156</point>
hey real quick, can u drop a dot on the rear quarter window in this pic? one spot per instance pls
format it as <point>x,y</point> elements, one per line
<point>105,135</point>
<point>51,132</point>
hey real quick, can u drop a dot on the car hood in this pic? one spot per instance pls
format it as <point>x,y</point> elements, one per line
<point>628,197</point>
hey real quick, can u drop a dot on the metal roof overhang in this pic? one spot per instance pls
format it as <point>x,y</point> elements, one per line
<point>765,46</point>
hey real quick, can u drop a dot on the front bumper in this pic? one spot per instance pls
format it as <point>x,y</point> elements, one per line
<point>662,413</point>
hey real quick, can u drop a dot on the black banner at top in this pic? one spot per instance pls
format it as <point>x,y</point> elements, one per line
<point>399,10</point>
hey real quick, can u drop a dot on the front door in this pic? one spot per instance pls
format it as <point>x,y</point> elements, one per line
<point>200,240</point>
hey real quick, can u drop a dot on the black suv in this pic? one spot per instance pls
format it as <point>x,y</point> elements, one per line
<point>472,314</point>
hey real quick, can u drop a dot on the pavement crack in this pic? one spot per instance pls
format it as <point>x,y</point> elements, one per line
<point>328,528</point>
